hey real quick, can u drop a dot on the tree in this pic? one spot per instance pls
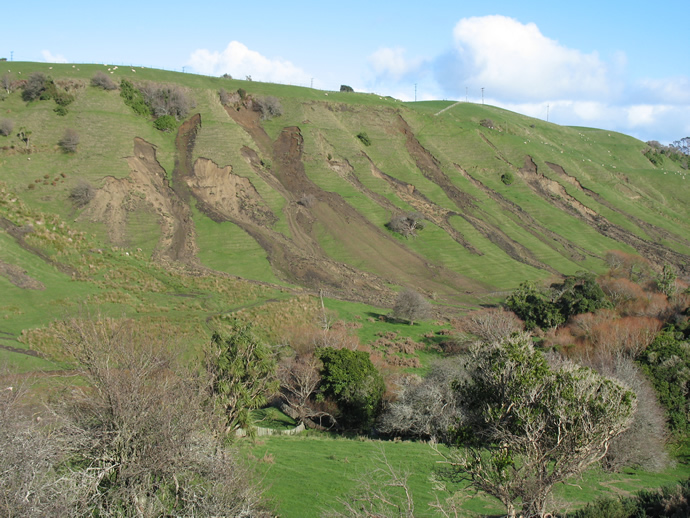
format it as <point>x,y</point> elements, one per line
<point>69,141</point>
<point>528,425</point>
<point>6,127</point>
<point>25,136</point>
<point>407,224</point>
<point>6,82</point>
<point>426,408</point>
<point>102,80</point>
<point>131,439</point>
<point>242,375</point>
<point>35,86</point>
<point>346,89</point>
<point>268,107</point>
<point>411,306</point>
<point>352,381</point>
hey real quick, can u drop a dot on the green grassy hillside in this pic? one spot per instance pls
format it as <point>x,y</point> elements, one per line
<point>298,202</point>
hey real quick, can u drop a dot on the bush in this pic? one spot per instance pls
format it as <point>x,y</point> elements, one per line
<point>352,381</point>
<point>6,127</point>
<point>268,107</point>
<point>411,306</point>
<point>69,141</point>
<point>61,111</point>
<point>508,178</point>
<point>345,88</point>
<point>166,100</point>
<point>487,123</point>
<point>82,194</point>
<point>224,96</point>
<point>364,138</point>
<point>133,98</point>
<point>407,224</point>
<point>6,83</point>
<point>103,80</point>
<point>35,87</point>
<point>166,123</point>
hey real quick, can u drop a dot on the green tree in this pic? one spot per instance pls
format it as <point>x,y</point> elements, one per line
<point>579,294</point>
<point>527,425</point>
<point>532,306</point>
<point>351,380</point>
<point>242,373</point>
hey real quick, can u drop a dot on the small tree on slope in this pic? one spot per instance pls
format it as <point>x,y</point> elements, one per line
<point>528,425</point>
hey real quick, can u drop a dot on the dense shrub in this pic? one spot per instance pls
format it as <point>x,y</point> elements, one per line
<point>667,362</point>
<point>6,127</point>
<point>166,100</point>
<point>364,138</point>
<point>82,194</point>
<point>407,224</point>
<point>353,383</point>
<point>35,87</point>
<point>133,98</point>
<point>268,107</point>
<point>166,123</point>
<point>103,80</point>
<point>345,88</point>
<point>487,123</point>
<point>508,178</point>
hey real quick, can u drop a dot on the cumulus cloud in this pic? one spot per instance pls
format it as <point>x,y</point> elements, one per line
<point>516,61</point>
<point>49,57</point>
<point>239,61</point>
<point>674,90</point>
<point>393,63</point>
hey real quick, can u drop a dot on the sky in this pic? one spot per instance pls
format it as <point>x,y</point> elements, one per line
<point>616,65</point>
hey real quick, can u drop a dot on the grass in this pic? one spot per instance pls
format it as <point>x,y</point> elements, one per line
<point>308,474</point>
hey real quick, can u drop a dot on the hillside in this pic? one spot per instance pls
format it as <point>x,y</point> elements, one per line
<point>298,203</point>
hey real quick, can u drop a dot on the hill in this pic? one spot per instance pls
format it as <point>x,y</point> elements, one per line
<point>237,206</point>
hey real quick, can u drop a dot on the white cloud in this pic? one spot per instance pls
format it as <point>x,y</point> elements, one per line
<point>49,57</point>
<point>239,61</point>
<point>392,62</point>
<point>674,90</point>
<point>516,61</point>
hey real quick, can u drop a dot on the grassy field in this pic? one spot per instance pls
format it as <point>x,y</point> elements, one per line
<point>309,474</point>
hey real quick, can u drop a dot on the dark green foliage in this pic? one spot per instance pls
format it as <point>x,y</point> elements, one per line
<point>666,281</point>
<point>166,123</point>
<point>242,93</point>
<point>61,111</point>
<point>242,373</point>
<point>364,138</point>
<point>345,88</point>
<point>532,306</point>
<point>667,362</point>
<point>668,502</point>
<point>351,380</point>
<point>579,294</point>
<point>508,178</point>
<point>133,98</point>
<point>575,295</point>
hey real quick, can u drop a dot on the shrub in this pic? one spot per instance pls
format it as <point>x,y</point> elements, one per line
<point>411,306</point>
<point>61,111</point>
<point>487,123</point>
<point>69,141</point>
<point>508,178</point>
<point>268,107</point>
<point>407,224</point>
<point>35,87</point>
<point>166,123</point>
<point>6,127</point>
<point>224,96</point>
<point>352,381</point>
<point>82,194</point>
<point>345,88</point>
<point>364,138</point>
<point>103,80</point>
<point>6,83</point>
<point>166,100</point>
<point>133,98</point>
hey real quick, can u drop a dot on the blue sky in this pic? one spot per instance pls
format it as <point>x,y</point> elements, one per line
<point>615,65</point>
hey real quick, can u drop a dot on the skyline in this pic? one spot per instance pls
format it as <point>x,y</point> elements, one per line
<point>615,67</point>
